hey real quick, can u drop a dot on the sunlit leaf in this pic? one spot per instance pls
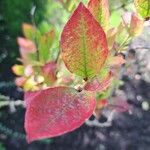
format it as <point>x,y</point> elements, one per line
<point>83,44</point>
<point>56,111</point>
<point>100,10</point>
<point>18,70</point>
<point>143,7</point>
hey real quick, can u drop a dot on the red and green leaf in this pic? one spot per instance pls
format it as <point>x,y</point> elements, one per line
<point>83,44</point>
<point>143,7</point>
<point>55,111</point>
<point>100,10</point>
<point>49,72</point>
<point>98,84</point>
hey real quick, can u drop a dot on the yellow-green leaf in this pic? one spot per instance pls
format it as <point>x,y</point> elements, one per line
<point>45,45</point>
<point>143,7</point>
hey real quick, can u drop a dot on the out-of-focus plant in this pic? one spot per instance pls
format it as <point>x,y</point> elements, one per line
<point>63,90</point>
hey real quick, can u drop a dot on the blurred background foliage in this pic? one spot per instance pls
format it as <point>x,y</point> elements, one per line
<point>45,14</point>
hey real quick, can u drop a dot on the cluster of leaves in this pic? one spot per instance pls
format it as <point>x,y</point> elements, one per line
<point>63,91</point>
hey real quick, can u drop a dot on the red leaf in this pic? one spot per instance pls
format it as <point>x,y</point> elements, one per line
<point>83,44</point>
<point>98,85</point>
<point>55,111</point>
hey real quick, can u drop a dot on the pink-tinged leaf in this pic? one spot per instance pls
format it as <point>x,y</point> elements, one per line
<point>49,71</point>
<point>20,81</point>
<point>119,104</point>
<point>127,18</point>
<point>83,44</point>
<point>117,61</point>
<point>136,25</point>
<point>26,47</point>
<point>111,37</point>
<point>100,10</point>
<point>28,71</point>
<point>98,85</point>
<point>44,46</point>
<point>56,111</point>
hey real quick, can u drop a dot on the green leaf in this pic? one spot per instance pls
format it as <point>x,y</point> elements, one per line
<point>30,32</point>
<point>45,45</point>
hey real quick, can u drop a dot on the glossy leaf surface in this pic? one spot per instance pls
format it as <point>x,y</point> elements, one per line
<point>83,44</point>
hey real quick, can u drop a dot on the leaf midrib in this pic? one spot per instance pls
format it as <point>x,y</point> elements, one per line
<point>84,46</point>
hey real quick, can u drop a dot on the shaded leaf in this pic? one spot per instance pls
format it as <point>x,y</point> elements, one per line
<point>55,111</point>
<point>100,10</point>
<point>83,44</point>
